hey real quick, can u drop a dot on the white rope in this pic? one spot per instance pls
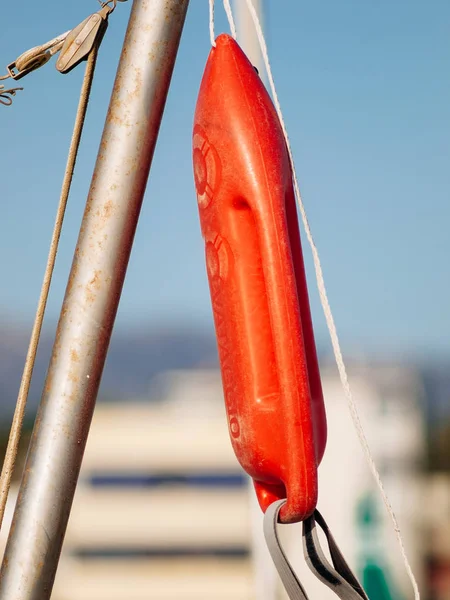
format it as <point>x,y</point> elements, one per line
<point>227,7</point>
<point>211,23</point>
<point>328,314</point>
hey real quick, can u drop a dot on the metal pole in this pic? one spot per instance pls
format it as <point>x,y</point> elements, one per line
<point>247,34</point>
<point>92,296</point>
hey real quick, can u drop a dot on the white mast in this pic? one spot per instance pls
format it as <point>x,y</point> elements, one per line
<point>246,31</point>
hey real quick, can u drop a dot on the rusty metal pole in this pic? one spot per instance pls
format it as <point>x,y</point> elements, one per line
<point>91,300</point>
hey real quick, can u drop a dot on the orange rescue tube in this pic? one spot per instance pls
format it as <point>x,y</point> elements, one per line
<point>267,352</point>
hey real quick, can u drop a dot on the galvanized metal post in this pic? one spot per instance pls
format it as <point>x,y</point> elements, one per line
<point>91,300</point>
<point>247,33</point>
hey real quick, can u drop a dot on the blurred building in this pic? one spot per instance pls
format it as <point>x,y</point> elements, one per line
<point>164,511</point>
<point>436,543</point>
<point>161,510</point>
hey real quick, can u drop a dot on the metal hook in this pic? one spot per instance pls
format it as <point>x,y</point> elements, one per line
<point>108,2</point>
<point>6,95</point>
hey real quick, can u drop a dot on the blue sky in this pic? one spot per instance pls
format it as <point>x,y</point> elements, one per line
<point>365,88</point>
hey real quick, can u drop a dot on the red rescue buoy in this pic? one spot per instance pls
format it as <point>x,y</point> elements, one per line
<point>267,352</point>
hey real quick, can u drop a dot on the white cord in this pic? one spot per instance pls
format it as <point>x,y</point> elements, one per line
<point>227,7</point>
<point>211,23</point>
<point>328,314</point>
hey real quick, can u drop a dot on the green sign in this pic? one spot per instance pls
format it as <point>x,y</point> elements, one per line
<point>373,571</point>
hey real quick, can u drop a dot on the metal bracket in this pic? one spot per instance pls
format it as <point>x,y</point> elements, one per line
<point>80,40</point>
